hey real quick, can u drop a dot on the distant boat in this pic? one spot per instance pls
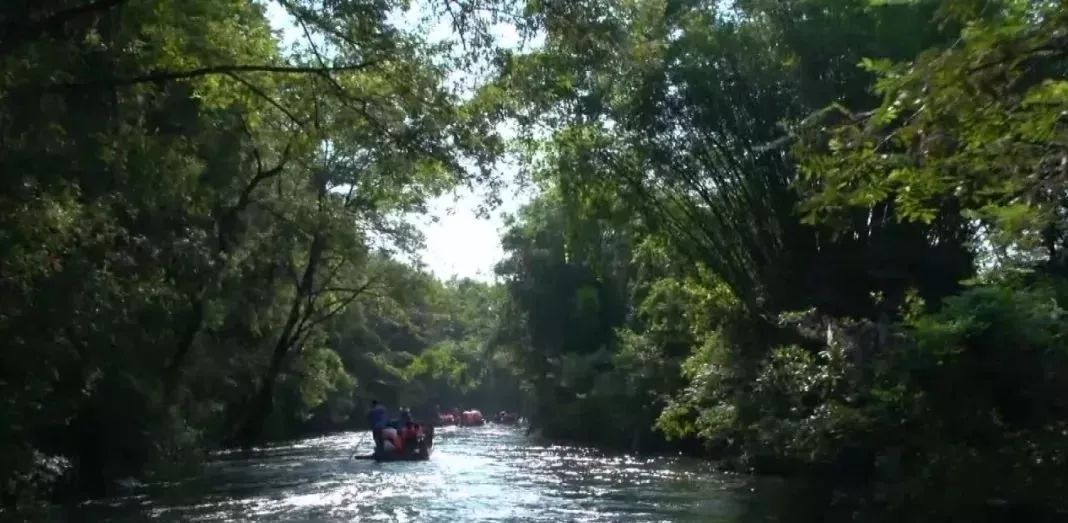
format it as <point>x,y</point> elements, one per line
<point>506,418</point>
<point>471,418</point>
<point>424,446</point>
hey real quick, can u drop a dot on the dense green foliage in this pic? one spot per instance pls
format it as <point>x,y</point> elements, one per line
<point>821,237</point>
<point>196,224</point>
<point>818,237</point>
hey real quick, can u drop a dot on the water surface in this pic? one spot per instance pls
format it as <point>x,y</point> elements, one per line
<point>475,474</point>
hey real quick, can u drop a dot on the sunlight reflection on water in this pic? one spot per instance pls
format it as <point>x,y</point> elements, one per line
<point>476,474</point>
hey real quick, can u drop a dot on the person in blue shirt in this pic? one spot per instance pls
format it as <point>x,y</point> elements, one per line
<point>378,419</point>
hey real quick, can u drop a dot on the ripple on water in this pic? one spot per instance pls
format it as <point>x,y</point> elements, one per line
<point>476,474</point>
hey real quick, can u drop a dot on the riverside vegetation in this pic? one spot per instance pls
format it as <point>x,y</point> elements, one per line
<point>822,238</point>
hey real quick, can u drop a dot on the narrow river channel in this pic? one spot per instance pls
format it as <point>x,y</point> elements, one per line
<point>476,474</point>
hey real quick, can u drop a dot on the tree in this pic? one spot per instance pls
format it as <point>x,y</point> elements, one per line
<point>187,208</point>
<point>970,128</point>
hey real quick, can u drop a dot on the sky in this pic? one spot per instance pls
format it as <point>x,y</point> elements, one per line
<point>458,243</point>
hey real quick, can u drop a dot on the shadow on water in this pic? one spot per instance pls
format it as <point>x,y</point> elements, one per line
<point>476,474</point>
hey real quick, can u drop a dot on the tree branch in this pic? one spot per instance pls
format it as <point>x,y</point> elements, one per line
<point>332,309</point>
<point>1054,49</point>
<point>303,15</point>
<point>261,175</point>
<point>259,92</point>
<point>168,76</point>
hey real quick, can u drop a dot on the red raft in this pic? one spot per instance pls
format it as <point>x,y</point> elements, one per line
<point>418,448</point>
<point>471,418</point>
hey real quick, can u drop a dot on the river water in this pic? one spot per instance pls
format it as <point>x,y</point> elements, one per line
<point>475,474</point>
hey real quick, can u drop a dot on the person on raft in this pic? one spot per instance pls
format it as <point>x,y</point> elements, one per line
<point>409,434</point>
<point>398,440</point>
<point>378,419</point>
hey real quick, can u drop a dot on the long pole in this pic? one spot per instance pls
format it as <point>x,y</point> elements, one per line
<point>364,438</point>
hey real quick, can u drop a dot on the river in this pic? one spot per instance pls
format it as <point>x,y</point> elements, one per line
<point>475,474</point>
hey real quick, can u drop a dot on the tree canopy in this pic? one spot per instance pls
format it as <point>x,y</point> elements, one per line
<point>817,237</point>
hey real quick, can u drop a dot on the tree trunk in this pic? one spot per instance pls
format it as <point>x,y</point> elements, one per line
<point>263,401</point>
<point>225,228</point>
<point>185,344</point>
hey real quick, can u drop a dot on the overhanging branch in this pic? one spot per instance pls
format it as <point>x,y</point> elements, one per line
<point>169,76</point>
